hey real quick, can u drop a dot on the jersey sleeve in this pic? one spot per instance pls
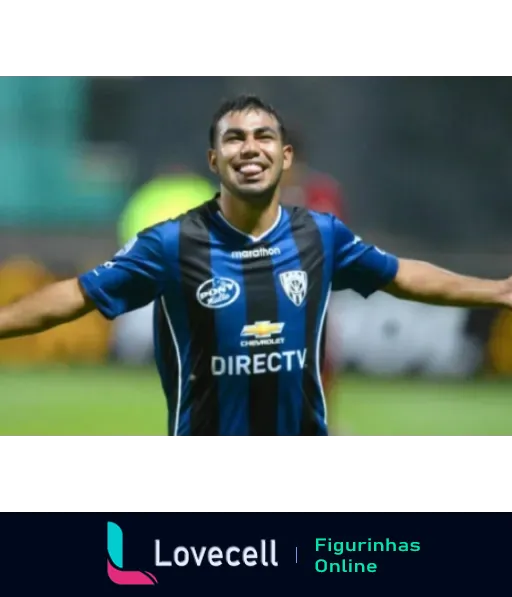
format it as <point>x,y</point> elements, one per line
<point>132,279</point>
<point>359,266</point>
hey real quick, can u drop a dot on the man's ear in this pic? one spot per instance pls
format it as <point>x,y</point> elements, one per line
<point>287,157</point>
<point>212,160</point>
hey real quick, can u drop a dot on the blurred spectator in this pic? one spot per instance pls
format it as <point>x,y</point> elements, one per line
<point>168,195</point>
<point>307,187</point>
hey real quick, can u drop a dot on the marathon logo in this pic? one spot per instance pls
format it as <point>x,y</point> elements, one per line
<point>256,253</point>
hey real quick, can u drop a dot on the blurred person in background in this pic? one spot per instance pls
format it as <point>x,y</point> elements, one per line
<point>308,188</point>
<point>168,195</point>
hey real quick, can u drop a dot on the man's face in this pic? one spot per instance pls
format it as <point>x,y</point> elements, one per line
<point>249,155</point>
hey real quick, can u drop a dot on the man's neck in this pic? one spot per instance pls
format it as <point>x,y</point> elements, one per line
<point>250,218</point>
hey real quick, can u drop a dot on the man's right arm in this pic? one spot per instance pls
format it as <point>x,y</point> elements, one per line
<point>133,278</point>
<point>53,305</point>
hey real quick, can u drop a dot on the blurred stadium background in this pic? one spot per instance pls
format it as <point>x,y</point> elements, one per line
<point>421,166</point>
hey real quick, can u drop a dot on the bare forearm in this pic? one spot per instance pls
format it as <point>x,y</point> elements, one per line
<point>51,306</point>
<point>424,282</point>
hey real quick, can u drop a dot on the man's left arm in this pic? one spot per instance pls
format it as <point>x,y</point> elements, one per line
<point>427,283</point>
<point>366,269</point>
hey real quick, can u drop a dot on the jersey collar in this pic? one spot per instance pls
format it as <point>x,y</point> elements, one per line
<point>220,219</point>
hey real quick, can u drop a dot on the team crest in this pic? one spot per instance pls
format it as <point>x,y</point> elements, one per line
<point>295,284</point>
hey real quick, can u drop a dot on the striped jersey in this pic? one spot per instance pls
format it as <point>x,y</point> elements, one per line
<point>238,320</point>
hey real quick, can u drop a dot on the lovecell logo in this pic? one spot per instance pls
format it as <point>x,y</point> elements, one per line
<point>115,570</point>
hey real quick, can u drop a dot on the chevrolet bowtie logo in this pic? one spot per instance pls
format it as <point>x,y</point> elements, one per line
<point>262,329</point>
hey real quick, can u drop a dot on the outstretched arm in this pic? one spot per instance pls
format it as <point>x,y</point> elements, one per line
<point>366,269</point>
<point>423,282</point>
<point>133,278</point>
<point>51,306</point>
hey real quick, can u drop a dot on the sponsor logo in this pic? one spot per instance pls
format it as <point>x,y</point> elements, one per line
<point>260,334</point>
<point>256,253</point>
<point>295,285</point>
<point>259,364</point>
<point>218,293</point>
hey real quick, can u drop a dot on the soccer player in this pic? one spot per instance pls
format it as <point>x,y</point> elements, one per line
<point>242,286</point>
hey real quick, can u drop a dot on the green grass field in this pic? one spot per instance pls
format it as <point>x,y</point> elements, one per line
<point>122,401</point>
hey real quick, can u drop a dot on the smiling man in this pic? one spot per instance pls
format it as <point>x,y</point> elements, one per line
<point>241,286</point>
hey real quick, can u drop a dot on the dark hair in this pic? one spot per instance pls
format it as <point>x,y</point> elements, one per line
<point>241,104</point>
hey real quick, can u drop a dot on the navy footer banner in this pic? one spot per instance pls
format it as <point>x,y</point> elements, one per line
<point>267,519</point>
<point>203,554</point>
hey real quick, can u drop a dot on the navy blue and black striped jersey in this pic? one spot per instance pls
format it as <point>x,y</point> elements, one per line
<point>238,320</point>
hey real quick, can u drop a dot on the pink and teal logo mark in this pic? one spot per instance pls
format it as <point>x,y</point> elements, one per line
<point>115,569</point>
